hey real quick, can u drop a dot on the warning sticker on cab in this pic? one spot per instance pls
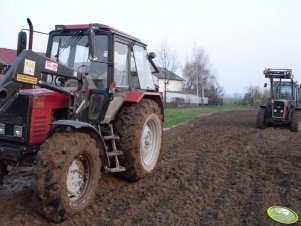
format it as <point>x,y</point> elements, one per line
<point>29,67</point>
<point>26,79</point>
<point>49,65</point>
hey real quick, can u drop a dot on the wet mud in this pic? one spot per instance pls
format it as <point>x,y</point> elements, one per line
<point>215,170</point>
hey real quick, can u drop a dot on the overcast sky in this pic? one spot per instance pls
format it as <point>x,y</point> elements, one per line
<point>241,37</point>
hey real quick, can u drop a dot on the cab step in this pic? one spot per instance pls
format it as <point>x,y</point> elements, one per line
<point>115,169</point>
<point>113,153</point>
<point>112,137</point>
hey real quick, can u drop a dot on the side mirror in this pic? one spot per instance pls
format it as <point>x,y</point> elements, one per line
<point>91,37</point>
<point>151,55</point>
<point>265,84</point>
<point>22,42</point>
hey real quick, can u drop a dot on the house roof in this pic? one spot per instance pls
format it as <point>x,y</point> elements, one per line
<point>169,74</point>
<point>7,56</point>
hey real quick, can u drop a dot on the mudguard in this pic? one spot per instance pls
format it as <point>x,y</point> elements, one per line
<point>78,125</point>
<point>74,124</point>
<point>137,96</point>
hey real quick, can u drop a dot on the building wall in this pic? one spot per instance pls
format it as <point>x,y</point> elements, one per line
<point>187,98</point>
<point>173,85</point>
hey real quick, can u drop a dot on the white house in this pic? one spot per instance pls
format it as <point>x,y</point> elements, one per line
<point>175,87</point>
<point>174,82</point>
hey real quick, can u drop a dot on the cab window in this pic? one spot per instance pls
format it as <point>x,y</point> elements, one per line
<point>143,68</point>
<point>121,64</point>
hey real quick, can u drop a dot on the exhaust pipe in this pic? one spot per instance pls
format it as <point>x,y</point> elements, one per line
<point>30,34</point>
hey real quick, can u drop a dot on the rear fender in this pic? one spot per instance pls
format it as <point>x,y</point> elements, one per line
<point>64,125</point>
<point>136,97</point>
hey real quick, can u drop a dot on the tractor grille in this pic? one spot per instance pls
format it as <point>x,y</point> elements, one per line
<point>278,109</point>
<point>40,127</point>
<point>18,114</point>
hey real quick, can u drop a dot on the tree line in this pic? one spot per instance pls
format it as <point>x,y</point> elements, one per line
<point>200,77</point>
<point>253,96</point>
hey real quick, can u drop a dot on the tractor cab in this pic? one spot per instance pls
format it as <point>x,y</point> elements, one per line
<point>282,84</point>
<point>283,90</point>
<point>109,58</point>
<point>112,63</point>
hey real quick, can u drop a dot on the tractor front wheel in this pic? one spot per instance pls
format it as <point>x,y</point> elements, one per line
<point>260,119</point>
<point>296,121</point>
<point>67,175</point>
<point>3,171</point>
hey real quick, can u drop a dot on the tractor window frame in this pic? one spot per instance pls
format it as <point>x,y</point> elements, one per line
<point>143,68</point>
<point>283,90</point>
<point>121,63</point>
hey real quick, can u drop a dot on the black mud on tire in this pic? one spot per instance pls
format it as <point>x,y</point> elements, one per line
<point>3,171</point>
<point>296,121</point>
<point>51,189</point>
<point>139,127</point>
<point>260,118</point>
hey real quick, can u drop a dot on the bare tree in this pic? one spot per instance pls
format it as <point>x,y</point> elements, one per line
<point>197,72</point>
<point>265,96</point>
<point>253,96</point>
<point>214,89</point>
<point>167,59</point>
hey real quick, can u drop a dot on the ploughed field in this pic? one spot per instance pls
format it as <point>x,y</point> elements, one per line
<point>215,170</point>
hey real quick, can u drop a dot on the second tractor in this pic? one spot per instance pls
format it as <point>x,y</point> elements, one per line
<point>283,106</point>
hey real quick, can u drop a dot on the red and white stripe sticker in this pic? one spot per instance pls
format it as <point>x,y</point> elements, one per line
<point>49,65</point>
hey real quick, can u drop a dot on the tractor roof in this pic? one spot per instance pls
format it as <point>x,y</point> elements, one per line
<point>96,27</point>
<point>278,73</point>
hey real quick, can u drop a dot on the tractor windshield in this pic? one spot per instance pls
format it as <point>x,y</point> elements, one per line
<point>73,51</point>
<point>283,90</point>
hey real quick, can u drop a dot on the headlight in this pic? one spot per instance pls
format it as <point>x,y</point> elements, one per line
<point>2,128</point>
<point>275,110</point>
<point>18,131</point>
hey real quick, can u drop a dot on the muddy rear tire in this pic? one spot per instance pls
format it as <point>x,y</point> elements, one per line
<point>139,127</point>
<point>296,121</point>
<point>261,118</point>
<point>67,175</point>
<point>3,171</point>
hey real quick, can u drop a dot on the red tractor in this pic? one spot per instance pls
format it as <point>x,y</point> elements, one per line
<point>89,105</point>
<point>284,102</point>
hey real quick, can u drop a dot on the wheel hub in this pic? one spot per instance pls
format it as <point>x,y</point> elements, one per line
<point>148,143</point>
<point>147,139</point>
<point>75,180</point>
